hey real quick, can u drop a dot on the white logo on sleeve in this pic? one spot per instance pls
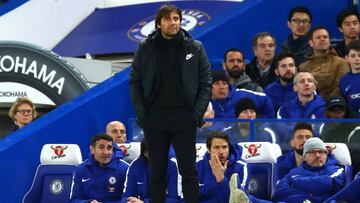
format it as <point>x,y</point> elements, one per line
<point>85,180</point>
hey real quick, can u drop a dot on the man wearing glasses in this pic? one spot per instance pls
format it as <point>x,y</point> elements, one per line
<point>22,112</point>
<point>299,22</point>
<point>315,180</point>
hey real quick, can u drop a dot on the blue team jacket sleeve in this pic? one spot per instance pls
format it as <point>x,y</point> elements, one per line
<point>284,189</point>
<point>209,189</point>
<point>77,194</point>
<point>323,184</point>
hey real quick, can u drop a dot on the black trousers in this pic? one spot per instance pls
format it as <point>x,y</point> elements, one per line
<point>176,127</point>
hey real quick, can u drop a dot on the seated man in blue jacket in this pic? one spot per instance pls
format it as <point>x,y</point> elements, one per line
<point>137,180</point>
<point>101,177</point>
<point>217,166</point>
<point>315,180</point>
<point>282,90</point>
<point>224,96</point>
<point>307,104</point>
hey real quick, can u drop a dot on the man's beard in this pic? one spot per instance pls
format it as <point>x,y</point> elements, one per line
<point>287,79</point>
<point>235,72</point>
<point>300,151</point>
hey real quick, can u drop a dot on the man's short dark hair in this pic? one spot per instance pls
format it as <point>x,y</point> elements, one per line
<point>232,50</point>
<point>282,56</point>
<point>98,137</point>
<point>262,35</point>
<point>165,10</point>
<point>316,29</point>
<point>299,9</point>
<point>216,134</point>
<point>302,126</point>
<point>344,14</point>
<point>353,45</point>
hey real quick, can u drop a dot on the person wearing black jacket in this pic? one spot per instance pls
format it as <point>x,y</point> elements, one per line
<point>262,66</point>
<point>170,86</point>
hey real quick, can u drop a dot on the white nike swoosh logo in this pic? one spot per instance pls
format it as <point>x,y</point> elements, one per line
<point>295,176</point>
<point>226,128</point>
<point>201,184</point>
<point>139,183</point>
<point>347,88</point>
<point>189,56</point>
<point>85,180</point>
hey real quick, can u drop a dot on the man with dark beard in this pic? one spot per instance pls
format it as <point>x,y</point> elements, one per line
<point>293,159</point>
<point>282,89</point>
<point>234,65</point>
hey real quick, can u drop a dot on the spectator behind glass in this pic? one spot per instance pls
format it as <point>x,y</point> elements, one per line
<point>348,23</point>
<point>297,43</point>
<point>261,68</point>
<point>22,112</point>
<point>137,180</point>
<point>345,132</point>
<point>117,131</point>
<point>240,131</point>
<point>209,126</point>
<point>282,90</point>
<point>324,64</point>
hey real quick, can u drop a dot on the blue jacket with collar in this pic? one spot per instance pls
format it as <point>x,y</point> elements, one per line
<point>137,180</point>
<point>294,109</point>
<point>102,183</point>
<point>306,182</point>
<point>279,93</point>
<point>225,108</point>
<point>213,192</point>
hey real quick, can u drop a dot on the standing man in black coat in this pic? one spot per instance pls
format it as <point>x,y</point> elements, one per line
<point>170,85</point>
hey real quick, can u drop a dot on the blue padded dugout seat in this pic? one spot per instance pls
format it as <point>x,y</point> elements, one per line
<point>53,178</point>
<point>261,158</point>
